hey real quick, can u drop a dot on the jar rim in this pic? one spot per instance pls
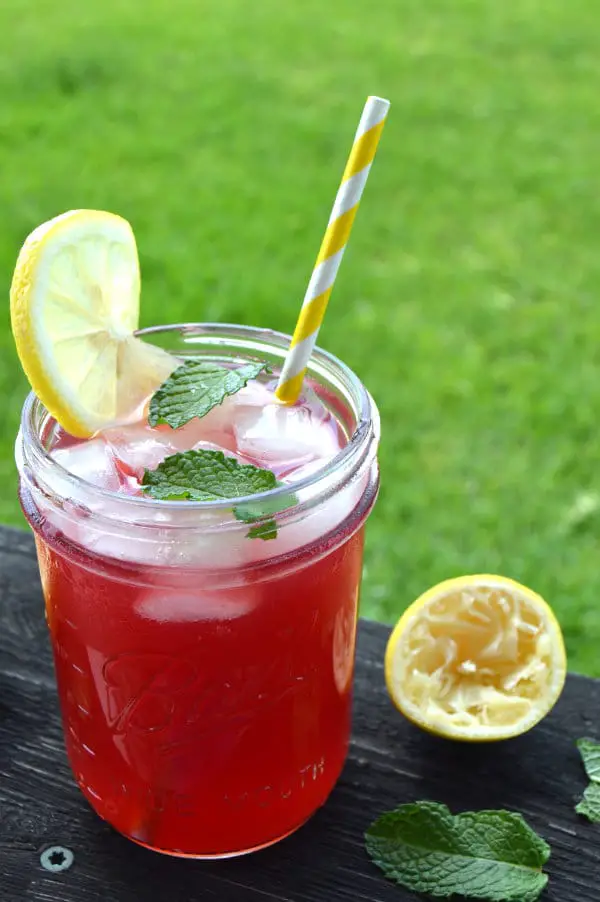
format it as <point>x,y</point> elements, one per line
<point>350,457</point>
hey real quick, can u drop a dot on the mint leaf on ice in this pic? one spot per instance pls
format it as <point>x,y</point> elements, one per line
<point>195,388</point>
<point>491,855</point>
<point>205,476</point>
<point>212,476</point>
<point>589,806</point>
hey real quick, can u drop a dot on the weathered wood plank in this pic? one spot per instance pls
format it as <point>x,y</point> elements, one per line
<point>390,762</point>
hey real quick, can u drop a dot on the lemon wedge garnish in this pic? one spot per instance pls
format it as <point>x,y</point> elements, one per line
<point>74,304</point>
<point>476,658</point>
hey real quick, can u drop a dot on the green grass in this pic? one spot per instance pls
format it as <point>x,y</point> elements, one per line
<point>469,298</point>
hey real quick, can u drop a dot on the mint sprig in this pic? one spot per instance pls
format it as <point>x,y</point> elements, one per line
<point>491,855</point>
<point>589,806</point>
<point>212,476</point>
<point>195,388</point>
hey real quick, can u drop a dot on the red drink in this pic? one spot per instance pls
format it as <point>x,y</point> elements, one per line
<point>205,678</point>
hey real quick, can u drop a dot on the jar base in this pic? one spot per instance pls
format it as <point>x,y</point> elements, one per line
<point>220,856</point>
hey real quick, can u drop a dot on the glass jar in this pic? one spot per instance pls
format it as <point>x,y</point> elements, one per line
<point>205,679</point>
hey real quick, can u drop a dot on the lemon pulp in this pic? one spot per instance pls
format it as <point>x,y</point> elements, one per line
<point>476,658</point>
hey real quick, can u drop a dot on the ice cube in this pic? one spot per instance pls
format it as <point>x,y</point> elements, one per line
<point>92,461</point>
<point>317,522</point>
<point>172,606</point>
<point>303,471</point>
<point>123,533</point>
<point>139,447</point>
<point>115,461</point>
<point>327,515</point>
<point>281,437</point>
<point>217,425</point>
<point>215,428</point>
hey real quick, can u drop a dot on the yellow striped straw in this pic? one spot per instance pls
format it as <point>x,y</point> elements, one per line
<point>332,249</point>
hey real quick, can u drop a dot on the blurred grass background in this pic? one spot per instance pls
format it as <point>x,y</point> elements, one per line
<point>468,300</point>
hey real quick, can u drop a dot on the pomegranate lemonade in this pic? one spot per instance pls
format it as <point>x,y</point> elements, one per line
<point>204,640</point>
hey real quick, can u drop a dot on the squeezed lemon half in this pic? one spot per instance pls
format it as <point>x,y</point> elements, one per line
<point>74,304</point>
<point>476,658</point>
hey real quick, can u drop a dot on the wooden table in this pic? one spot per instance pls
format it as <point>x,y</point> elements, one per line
<point>390,762</point>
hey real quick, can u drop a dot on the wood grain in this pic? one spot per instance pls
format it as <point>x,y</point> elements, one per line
<point>390,762</point>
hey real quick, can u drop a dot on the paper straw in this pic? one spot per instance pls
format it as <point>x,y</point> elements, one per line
<point>332,249</point>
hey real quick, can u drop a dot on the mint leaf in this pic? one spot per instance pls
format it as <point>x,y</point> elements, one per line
<point>258,511</point>
<point>491,855</point>
<point>195,388</point>
<point>590,754</point>
<point>255,510</point>
<point>265,531</point>
<point>211,476</point>
<point>205,476</point>
<point>589,806</point>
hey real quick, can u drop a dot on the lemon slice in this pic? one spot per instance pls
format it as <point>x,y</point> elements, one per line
<point>476,658</point>
<point>74,304</point>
